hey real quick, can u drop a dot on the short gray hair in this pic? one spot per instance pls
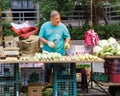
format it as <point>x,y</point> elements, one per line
<point>54,13</point>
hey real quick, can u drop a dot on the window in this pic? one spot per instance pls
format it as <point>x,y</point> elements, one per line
<point>22,4</point>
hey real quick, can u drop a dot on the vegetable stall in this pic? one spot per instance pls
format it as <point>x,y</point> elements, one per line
<point>109,50</point>
<point>64,74</point>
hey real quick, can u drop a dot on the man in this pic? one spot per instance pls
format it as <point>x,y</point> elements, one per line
<point>55,38</point>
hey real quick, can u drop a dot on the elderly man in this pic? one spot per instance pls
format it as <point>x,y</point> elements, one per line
<point>55,38</point>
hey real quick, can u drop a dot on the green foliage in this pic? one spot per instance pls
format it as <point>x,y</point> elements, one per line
<point>65,7</point>
<point>108,30</point>
<point>5,4</point>
<point>78,33</point>
<point>6,30</point>
<point>47,92</point>
<point>104,32</point>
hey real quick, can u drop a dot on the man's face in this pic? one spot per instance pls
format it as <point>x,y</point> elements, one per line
<point>55,20</point>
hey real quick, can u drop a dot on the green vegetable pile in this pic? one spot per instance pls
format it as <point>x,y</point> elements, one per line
<point>110,47</point>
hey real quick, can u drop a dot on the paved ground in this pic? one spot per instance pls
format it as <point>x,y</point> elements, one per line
<point>94,91</point>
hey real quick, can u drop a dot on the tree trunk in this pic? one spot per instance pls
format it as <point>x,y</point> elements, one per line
<point>100,13</point>
<point>97,13</point>
<point>87,10</point>
<point>0,22</point>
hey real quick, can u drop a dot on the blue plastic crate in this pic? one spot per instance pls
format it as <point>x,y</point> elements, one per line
<point>29,75</point>
<point>8,72</point>
<point>65,71</point>
<point>8,89</point>
<point>67,88</point>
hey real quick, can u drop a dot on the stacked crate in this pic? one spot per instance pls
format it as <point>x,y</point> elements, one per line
<point>30,74</point>
<point>64,79</point>
<point>9,80</point>
<point>112,68</point>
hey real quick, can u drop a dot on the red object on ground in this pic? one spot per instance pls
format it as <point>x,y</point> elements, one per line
<point>114,78</point>
<point>26,31</point>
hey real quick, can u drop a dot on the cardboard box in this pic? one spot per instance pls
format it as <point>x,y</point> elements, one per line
<point>10,42</point>
<point>30,45</point>
<point>35,89</point>
<point>0,39</point>
<point>2,54</point>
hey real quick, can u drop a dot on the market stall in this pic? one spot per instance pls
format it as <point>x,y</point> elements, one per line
<point>109,50</point>
<point>65,70</point>
<point>112,69</point>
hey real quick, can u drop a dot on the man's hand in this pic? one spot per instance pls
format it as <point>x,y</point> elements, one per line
<point>67,46</point>
<point>51,44</point>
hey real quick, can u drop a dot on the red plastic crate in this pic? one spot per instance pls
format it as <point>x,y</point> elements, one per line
<point>114,78</point>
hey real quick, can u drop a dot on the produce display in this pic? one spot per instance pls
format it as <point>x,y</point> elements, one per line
<point>83,57</point>
<point>47,56</point>
<point>50,56</point>
<point>110,47</point>
<point>24,58</point>
<point>11,58</point>
<point>54,56</point>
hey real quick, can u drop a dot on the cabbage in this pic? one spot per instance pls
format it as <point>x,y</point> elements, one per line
<point>108,54</point>
<point>112,42</point>
<point>118,47</point>
<point>103,43</point>
<point>107,47</point>
<point>97,50</point>
<point>118,53</point>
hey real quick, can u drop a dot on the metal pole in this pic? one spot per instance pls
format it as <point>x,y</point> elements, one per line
<point>0,22</point>
<point>38,14</point>
<point>91,21</point>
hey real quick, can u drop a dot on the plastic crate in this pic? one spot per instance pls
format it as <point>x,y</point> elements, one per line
<point>67,88</point>
<point>8,72</point>
<point>112,65</point>
<point>34,74</point>
<point>8,89</point>
<point>114,77</point>
<point>100,77</point>
<point>65,71</point>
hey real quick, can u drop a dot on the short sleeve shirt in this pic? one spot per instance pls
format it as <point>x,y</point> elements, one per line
<point>57,34</point>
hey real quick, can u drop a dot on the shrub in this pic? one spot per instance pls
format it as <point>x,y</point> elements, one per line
<point>78,33</point>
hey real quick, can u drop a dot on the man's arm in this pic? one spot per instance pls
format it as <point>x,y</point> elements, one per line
<point>67,40</point>
<point>49,43</point>
<point>43,40</point>
<point>67,44</point>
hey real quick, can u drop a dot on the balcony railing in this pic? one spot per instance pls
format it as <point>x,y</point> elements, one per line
<point>77,17</point>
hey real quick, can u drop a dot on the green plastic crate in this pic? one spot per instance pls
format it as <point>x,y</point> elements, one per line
<point>8,89</point>
<point>65,71</point>
<point>67,88</point>
<point>8,72</point>
<point>9,79</point>
<point>64,80</point>
<point>100,77</point>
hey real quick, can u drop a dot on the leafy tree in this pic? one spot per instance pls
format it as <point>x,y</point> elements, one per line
<point>5,4</point>
<point>65,7</point>
<point>97,9</point>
